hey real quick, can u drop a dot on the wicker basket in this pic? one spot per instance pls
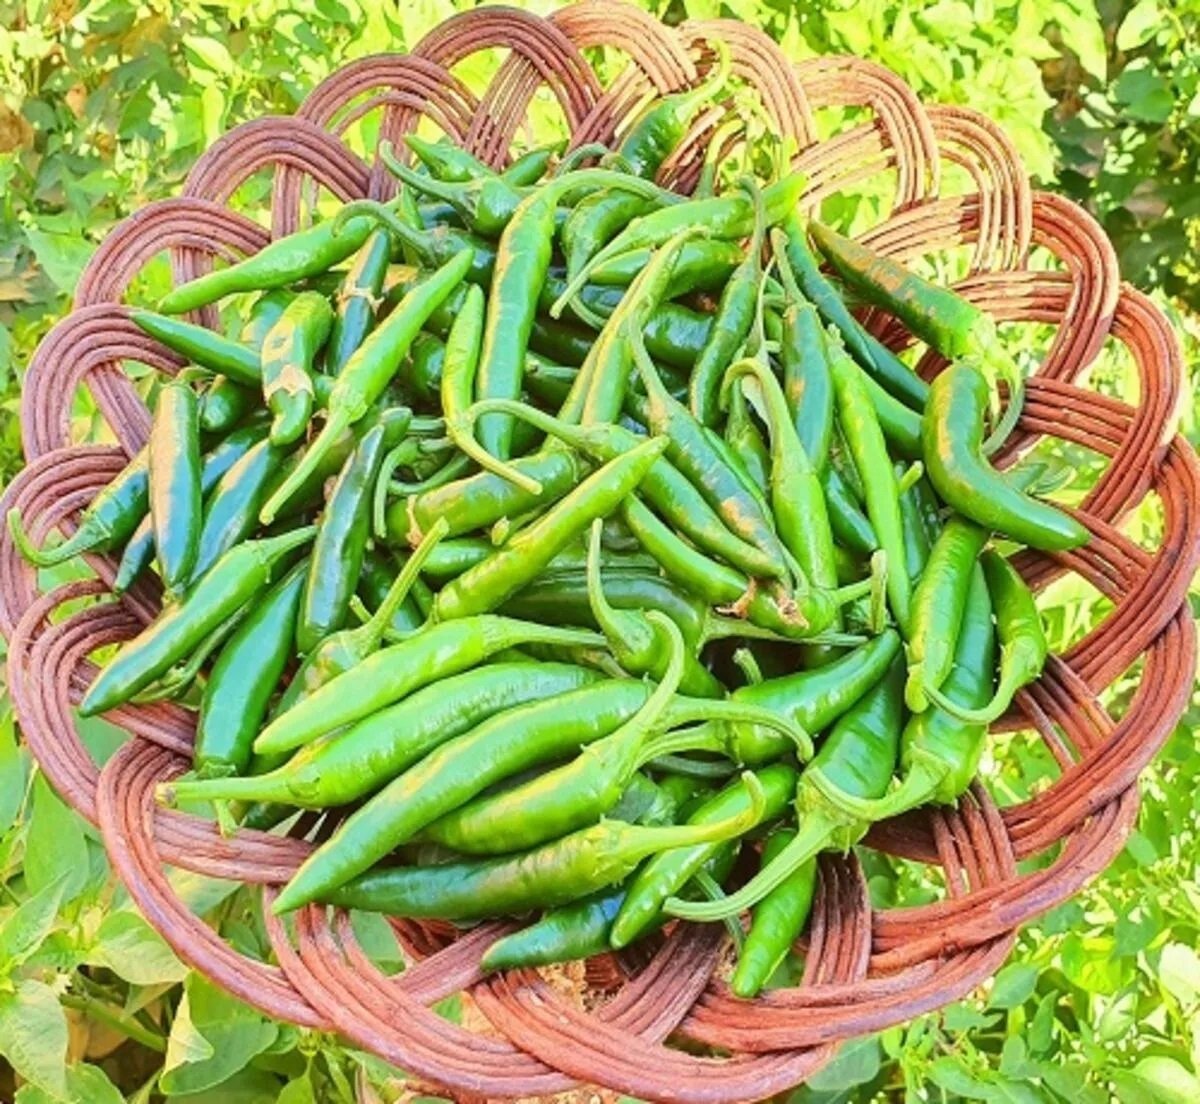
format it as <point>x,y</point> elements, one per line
<point>865,969</point>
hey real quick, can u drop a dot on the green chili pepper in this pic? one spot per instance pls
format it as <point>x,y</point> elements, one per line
<point>553,874</point>
<point>358,299</point>
<point>778,920</point>
<point>284,261</point>
<point>201,346</point>
<point>951,436</point>
<point>813,699</point>
<point>175,503</point>
<point>701,266</point>
<point>447,161</point>
<point>916,538</point>
<point>865,441</point>
<point>288,355</point>
<point>338,550</point>
<point>571,796</point>
<point>638,640</point>
<point>858,758</point>
<point>807,380</point>
<point>656,133</point>
<point>375,584</point>
<point>667,873</point>
<point>237,577</point>
<point>107,523</point>
<point>395,671</point>
<point>876,359</point>
<point>523,261</point>
<point>223,404</point>
<point>367,373</point>
<point>337,652</point>
<point>593,222</point>
<point>938,604</point>
<point>485,202</point>
<point>530,167</point>
<point>1023,644</point>
<point>734,318</point>
<point>572,931</point>
<point>726,217</point>
<point>525,555</point>
<point>939,754</point>
<point>243,680</point>
<point>346,765</point>
<point>745,440</point>
<point>693,453</point>
<point>421,374</point>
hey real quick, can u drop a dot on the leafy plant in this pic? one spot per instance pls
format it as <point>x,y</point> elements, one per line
<point>104,106</point>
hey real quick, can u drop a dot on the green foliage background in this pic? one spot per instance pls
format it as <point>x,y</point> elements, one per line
<point>103,107</point>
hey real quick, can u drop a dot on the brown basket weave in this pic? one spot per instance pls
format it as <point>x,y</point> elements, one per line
<point>865,969</point>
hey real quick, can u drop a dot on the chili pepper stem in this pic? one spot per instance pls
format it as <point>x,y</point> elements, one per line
<point>461,431</point>
<point>703,737</point>
<point>335,426</point>
<point>812,837</point>
<point>375,627</point>
<point>707,885</point>
<point>922,778</point>
<point>693,710</point>
<point>79,541</point>
<point>1010,683</point>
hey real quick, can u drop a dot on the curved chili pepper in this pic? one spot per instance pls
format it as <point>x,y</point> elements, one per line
<point>876,359</point>
<point>657,131</point>
<point>107,522</point>
<point>288,354</point>
<point>337,652</point>
<point>667,873</point>
<point>693,453</point>
<point>573,931</point>
<point>237,577</point>
<point>728,217</point>
<point>367,373</point>
<point>639,641</point>
<point>284,261</point>
<point>746,441</point>
<point>243,680</point>
<point>734,319</point>
<point>223,404</point>
<point>552,874</point>
<point>574,795</point>
<point>813,699</point>
<point>338,550</point>
<point>523,260</point>
<point>594,220</point>
<point>706,265</point>
<point>488,584</point>
<point>530,167</point>
<point>939,754</point>
<point>857,758</point>
<point>951,437</point>
<point>420,377</point>
<point>446,160</point>
<point>174,467</point>
<point>778,920</point>
<point>358,299</point>
<point>393,672</point>
<point>201,346</point>
<point>864,438</point>
<point>1023,644</point>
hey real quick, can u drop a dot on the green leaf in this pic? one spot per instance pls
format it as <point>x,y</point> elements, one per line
<point>214,1035</point>
<point>132,949</point>
<point>1013,986</point>
<point>13,765</point>
<point>1117,1018</point>
<point>210,53</point>
<point>299,1091</point>
<point>1144,93</point>
<point>1169,1081</point>
<point>85,1085</point>
<point>952,1075</point>
<point>33,1035</point>
<point>62,257</point>
<point>29,923</point>
<point>1179,972</point>
<point>55,846</point>
<point>1143,20</point>
<point>1090,963</point>
<point>856,1063</point>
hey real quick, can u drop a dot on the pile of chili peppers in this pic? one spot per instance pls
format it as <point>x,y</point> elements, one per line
<point>575,547</point>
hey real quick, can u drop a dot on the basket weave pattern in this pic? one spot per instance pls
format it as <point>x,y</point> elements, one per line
<point>865,969</point>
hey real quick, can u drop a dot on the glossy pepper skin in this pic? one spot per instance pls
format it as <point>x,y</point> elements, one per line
<point>223,404</point>
<point>667,873</point>
<point>284,261</point>
<point>1023,643</point>
<point>289,353</point>
<point>522,558</point>
<point>952,432</point>
<point>107,523</point>
<point>365,376</point>
<point>175,504</point>
<point>395,671</point>
<point>243,679</point>
<point>202,347</point>
<point>358,299</point>
<point>338,550</point>
<point>346,765</point>
<point>778,920</point>
<point>807,380</point>
<point>235,579</point>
